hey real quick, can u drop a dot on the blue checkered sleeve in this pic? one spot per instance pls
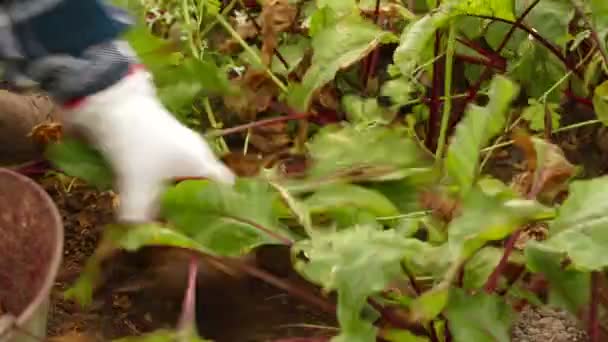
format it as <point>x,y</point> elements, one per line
<point>70,48</point>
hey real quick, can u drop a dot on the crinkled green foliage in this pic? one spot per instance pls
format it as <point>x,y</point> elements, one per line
<point>356,263</point>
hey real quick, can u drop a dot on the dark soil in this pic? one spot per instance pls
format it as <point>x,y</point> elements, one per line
<point>547,325</point>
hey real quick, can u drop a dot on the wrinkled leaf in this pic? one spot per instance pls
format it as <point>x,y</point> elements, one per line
<point>357,263</point>
<point>480,317</point>
<point>474,132</point>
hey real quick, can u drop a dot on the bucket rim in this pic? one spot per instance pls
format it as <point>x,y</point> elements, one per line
<point>53,268</point>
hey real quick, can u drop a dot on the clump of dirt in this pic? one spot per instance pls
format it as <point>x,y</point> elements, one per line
<point>547,325</point>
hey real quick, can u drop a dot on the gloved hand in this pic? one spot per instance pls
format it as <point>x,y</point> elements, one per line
<point>143,142</point>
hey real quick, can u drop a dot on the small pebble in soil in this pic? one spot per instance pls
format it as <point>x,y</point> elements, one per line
<point>545,324</point>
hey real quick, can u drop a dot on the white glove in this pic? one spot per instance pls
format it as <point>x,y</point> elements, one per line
<point>144,143</point>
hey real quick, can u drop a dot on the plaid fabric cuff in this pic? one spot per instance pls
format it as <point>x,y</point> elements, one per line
<point>70,48</point>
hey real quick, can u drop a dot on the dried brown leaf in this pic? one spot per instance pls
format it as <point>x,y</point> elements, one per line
<point>277,16</point>
<point>257,91</point>
<point>550,168</point>
<point>442,206</point>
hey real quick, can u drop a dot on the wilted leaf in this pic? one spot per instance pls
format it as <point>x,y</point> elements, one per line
<point>550,168</point>
<point>336,47</point>
<point>357,263</point>
<point>569,288</point>
<point>78,159</point>
<point>479,125</point>
<point>256,92</point>
<point>227,220</point>
<point>480,317</point>
<point>277,16</point>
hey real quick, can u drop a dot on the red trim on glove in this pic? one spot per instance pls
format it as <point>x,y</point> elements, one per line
<point>74,103</point>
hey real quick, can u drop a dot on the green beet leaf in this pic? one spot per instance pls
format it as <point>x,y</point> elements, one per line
<point>227,220</point>
<point>487,218</point>
<point>78,159</point>
<point>478,269</point>
<point>418,35</point>
<point>474,132</point>
<point>581,228</point>
<point>356,262</point>
<point>569,288</point>
<point>365,112</point>
<point>343,148</point>
<point>480,317</point>
<point>336,47</point>
<point>535,115</point>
